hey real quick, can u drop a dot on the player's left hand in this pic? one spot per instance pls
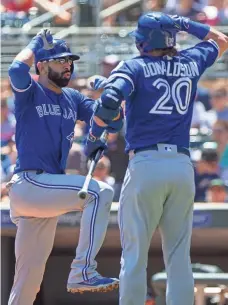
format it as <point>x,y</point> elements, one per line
<point>98,82</point>
<point>115,125</point>
<point>93,145</point>
<point>47,39</point>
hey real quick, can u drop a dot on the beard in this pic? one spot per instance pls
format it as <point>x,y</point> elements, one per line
<point>58,78</point>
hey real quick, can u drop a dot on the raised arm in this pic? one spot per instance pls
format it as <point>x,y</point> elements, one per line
<point>199,30</point>
<point>220,38</point>
<point>20,67</point>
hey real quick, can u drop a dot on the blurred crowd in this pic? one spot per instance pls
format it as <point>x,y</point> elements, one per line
<point>209,140</point>
<point>16,13</point>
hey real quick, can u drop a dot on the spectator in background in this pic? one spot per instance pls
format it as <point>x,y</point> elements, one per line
<point>219,103</point>
<point>217,191</point>
<point>203,95</point>
<point>223,13</point>
<point>206,169</point>
<point>187,8</point>
<point>216,12</point>
<point>7,94</point>
<point>154,5</point>
<point>102,171</point>
<point>109,63</point>
<point>199,115</point>
<point>76,161</point>
<point>17,5</point>
<point>220,136</point>
<point>7,123</point>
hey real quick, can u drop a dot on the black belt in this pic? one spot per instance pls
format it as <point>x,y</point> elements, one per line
<point>40,171</point>
<point>180,150</point>
<point>37,171</point>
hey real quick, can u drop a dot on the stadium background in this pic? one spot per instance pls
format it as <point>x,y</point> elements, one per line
<point>97,31</point>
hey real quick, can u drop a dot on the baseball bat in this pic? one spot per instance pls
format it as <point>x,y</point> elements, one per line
<point>84,190</point>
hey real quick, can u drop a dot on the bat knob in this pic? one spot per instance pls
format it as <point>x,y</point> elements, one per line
<point>82,195</point>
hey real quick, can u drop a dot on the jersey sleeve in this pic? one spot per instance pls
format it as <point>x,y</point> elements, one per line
<point>126,70</point>
<point>22,84</point>
<point>204,54</point>
<point>85,108</point>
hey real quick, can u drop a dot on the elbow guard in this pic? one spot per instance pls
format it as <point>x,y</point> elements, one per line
<point>111,98</point>
<point>110,101</point>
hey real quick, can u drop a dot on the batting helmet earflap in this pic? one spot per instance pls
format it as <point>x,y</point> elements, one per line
<point>59,50</point>
<point>150,33</point>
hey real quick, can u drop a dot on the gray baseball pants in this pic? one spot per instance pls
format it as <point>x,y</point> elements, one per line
<point>36,201</point>
<point>158,192</point>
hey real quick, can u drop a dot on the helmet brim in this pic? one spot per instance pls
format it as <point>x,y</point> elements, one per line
<point>61,55</point>
<point>73,56</point>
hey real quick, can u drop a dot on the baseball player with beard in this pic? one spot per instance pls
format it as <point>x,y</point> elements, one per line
<point>40,191</point>
<point>159,87</point>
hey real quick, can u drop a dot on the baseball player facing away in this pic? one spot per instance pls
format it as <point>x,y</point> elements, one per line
<point>39,190</point>
<point>159,87</point>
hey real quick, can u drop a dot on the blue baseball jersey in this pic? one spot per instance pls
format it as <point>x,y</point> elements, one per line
<point>45,124</point>
<point>159,108</point>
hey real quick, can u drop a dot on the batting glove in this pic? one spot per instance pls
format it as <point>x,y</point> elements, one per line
<point>171,23</point>
<point>43,39</point>
<point>92,145</point>
<point>178,23</point>
<point>99,82</point>
<point>47,39</point>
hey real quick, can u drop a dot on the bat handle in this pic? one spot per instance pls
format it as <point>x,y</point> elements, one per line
<point>83,192</point>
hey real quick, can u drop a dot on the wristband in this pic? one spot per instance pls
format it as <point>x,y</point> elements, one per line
<point>197,29</point>
<point>35,44</point>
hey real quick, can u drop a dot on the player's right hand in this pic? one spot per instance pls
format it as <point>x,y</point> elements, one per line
<point>98,82</point>
<point>46,39</point>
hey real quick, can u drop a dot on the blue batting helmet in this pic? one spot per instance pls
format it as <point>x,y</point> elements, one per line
<point>59,50</point>
<point>150,33</point>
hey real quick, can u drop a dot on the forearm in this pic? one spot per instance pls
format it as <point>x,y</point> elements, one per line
<point>26,56</point>
<point>201,31</point>
<point>220,38</point>
<point>20,67</point>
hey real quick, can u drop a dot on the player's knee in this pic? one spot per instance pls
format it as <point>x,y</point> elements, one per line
<point>106,191</point>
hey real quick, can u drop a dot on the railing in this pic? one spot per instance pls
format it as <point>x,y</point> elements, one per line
<point>93,44</point>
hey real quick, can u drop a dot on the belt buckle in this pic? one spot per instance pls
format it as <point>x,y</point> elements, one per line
<point>170,148</point>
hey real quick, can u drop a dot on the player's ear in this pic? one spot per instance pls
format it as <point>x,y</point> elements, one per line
<point>139,46</point>
<point>42,68</point>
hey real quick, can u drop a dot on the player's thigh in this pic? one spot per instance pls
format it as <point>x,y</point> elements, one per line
<point>176,221</point>
<point>141,200</point>
<point>48,195</point>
